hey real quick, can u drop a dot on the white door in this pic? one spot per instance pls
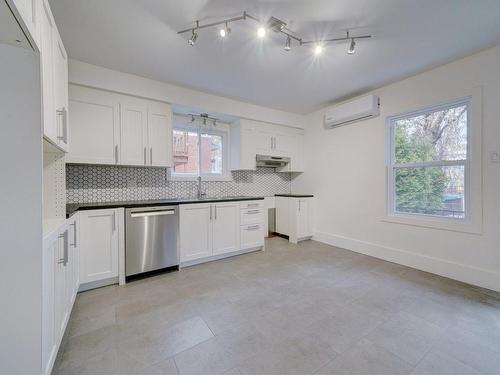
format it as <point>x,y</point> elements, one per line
<point>133,131</point>
<point>195,227</point>
<point>47,71</point>
<point>95,126</point>
<point>226,227</point>
<point>98,245</point>
<point>61,90</point>
<point>160,135</point>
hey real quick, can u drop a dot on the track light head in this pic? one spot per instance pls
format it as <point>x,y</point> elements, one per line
<point>288,43</point>
<point>318,49</point>
<point>225,31</point>
<point>194,37</point>
<point>352,47</point>
<point>261,32</point>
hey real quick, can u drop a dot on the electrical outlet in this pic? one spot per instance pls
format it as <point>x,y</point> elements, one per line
<point>495,156</point>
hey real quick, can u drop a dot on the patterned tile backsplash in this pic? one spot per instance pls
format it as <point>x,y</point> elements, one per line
<point>99,183</point>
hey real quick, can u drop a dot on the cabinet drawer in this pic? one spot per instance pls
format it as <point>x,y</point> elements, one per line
<point>252,204</point>
<point>252,236</point>
<point>252,216</point>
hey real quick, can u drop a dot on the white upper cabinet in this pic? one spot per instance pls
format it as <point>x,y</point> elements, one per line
<point>160,134</point>
<point>28,13</point>
<point>54,70</point>
<point>251,138</point>
<point>134,132</point>
<point>95,126</point>
<point>109,128</point>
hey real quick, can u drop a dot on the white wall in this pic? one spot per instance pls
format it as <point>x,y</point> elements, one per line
<point>345,169</point>
<point>21,217</point>
<point>94,76</point>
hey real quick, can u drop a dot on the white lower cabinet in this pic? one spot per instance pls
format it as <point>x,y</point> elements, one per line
<point>294,217</point>
<point>100,232</point>
<point>209,230</point>
<point>59,286</point>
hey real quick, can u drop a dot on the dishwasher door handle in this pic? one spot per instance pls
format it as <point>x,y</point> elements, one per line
<point>152,213</point>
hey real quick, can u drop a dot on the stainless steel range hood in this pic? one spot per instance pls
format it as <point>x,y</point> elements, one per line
<point>268,161</point>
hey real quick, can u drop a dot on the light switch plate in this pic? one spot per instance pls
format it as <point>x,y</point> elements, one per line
<point>495,156</point>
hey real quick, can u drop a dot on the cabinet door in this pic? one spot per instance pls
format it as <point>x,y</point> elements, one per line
<point>95,126</point>
<point>303,218</point>
<point>282,215</point>
<point>28,11</point>
<point>98,245</point>
<point>160,135</point>
<point>61,305</point>
<point>60,90</point>
<point>264,142</point>
<point>195,228</point>
<point>283,144</point>
<point>226,227</point>
<point>296,155</point>
<point>133,131</point>
<point>47,71</point>
<point>252,236</point>
<point>74,257</point>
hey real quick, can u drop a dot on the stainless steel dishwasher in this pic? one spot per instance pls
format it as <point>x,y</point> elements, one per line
<point>151,239</point>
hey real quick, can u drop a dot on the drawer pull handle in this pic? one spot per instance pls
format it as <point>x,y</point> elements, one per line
<point>253,205</point>
<point>253,212</point>
<point>253,227</point>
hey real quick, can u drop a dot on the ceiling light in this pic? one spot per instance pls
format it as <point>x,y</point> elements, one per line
<point>261,32</point>
<point>351,50</point>
<point>288,43</point>
<point>192,40</point>
<point>225,31</point>
<point>318,49</point>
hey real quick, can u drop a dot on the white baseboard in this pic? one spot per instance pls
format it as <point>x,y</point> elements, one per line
<point>468,274</point>
<point>194,262</point>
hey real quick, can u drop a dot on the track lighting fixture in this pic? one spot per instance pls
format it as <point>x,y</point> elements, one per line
<point>288,43</point>
<point>352,46</point>
<point>278,26</point>
<point>225,31</point>
<point>194,37</point>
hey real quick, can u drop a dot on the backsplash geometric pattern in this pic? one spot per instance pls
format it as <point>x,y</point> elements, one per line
<point>103,183</point>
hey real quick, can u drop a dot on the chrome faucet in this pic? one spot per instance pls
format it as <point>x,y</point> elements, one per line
<point>200,194</point>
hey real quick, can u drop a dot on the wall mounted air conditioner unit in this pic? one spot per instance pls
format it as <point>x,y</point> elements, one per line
<point>355,110</point>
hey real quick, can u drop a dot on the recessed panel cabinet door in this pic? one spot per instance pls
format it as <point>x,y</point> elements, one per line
<point>160,135</point>
<point>47,71</point>
<point>226,227</point>
<point>98,245</point>
<point>195,227</point>
<point>304,225</point>
<point>60,90</point>
<point>133,131</point>
<point>95,126</point>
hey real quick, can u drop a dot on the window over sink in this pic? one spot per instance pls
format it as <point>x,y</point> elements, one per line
<point>200,150</point>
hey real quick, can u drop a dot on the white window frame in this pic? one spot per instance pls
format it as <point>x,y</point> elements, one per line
<point>392,166</point>
<point>222,131</point>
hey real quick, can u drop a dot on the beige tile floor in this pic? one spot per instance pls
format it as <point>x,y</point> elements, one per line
<point>293,309</point>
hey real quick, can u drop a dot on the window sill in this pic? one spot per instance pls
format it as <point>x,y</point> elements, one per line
<point>464,226</point>
<point>224,178</point>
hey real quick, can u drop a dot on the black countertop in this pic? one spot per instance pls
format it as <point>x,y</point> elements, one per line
<point>74,207</point>
<point>295,195</point>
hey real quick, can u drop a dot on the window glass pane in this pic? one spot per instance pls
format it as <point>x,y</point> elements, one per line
<point>211,153</point>
<point>439,135</point>
<point>185,146</point>
<point>435,191</point>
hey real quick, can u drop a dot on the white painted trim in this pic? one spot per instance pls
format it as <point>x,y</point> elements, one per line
<point>97,284</point>
<point>220,256</point>
<point>468,274</point>
<point>94,76</point>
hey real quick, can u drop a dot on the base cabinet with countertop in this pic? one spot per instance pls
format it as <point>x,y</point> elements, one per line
<point>294,216</point>
<point>222,229</point>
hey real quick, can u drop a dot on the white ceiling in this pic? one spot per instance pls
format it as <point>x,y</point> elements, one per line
<point>409,36</point>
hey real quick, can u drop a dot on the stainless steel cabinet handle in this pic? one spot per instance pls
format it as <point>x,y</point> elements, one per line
<point>116,154</point>
<point>151,155</point>
<point>64,259</point>
<point>114,221</point>
<point>251,212</point>
<point>253,205</point>
<point>253,227</point>
<point>74,234</point>
<point>64,126</point>
<point>210,212</point>
<point>215,212</point>
<point>144,155</point>
<point>152,213</point>
<point>299,205</point>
